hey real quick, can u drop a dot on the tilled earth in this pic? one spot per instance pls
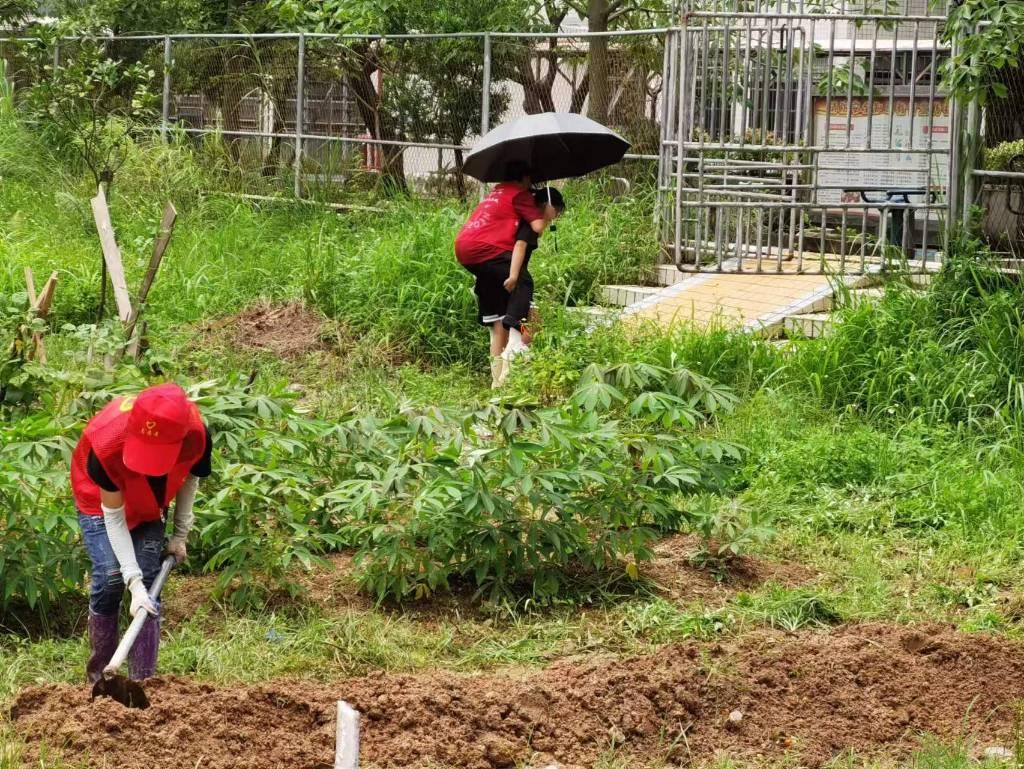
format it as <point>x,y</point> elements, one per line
<point>871,688</point>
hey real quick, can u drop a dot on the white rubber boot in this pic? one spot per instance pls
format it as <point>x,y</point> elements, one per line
<point>515,345</point>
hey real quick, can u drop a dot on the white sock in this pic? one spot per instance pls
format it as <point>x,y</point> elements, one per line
<point>515,339</point>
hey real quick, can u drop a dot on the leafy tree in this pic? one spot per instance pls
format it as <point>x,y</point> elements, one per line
<point>431,89</point>
<point>92,104</point>
<point>126,17</point>
<point>14,13</point>
<point>987,60</point>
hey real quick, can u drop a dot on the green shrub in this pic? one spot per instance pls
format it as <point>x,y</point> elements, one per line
<point>998,158</point>
<point>520,498</point>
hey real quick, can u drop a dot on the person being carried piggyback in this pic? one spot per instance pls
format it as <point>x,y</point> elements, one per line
<point>493,245</point>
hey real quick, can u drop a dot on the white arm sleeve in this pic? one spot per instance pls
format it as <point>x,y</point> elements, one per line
<point>183,502</point>
<point>121,543</point>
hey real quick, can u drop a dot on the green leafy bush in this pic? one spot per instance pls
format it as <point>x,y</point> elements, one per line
<point>37,521</point>
<point>998,158</point>
<point>953,354</point>
<point>515,498</point>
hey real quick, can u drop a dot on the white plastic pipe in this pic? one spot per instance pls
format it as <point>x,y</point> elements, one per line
<point>346,750</point>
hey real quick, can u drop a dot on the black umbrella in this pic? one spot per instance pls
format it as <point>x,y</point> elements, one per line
<point>554,145</point>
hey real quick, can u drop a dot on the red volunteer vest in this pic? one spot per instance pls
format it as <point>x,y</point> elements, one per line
<point>104,436</point>
<point>491,228</point>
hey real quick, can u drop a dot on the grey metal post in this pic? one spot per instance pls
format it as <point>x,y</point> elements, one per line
<point>953,178</point>
<point>969,156</point>
<point>56,55</point>
<point>485,106</point>
<point>165,113</point>
<point>485,112</point>
<point>299,109</point>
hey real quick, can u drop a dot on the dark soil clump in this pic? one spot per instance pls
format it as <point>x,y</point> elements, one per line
<point>869,688</point>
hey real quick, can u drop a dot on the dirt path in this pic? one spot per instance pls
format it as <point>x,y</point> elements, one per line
<point>871,688</point>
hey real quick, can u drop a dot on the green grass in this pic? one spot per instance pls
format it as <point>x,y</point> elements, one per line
<point>391,276</point>
<point>888,455</point>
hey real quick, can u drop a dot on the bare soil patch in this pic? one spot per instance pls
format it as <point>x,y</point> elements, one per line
<point>675,574</point>
<point>286,330</point>
<point>871,688</point>
<point>332,586</point>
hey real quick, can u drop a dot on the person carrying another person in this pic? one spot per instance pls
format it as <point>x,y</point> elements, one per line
<point>485,246</point>
<point>134,457</point>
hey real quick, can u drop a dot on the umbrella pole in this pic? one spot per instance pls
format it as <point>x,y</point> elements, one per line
<point>554,230</point>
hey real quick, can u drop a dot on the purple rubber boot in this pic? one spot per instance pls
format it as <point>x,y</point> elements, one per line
<point>102,643</point>
<point>142,657</point>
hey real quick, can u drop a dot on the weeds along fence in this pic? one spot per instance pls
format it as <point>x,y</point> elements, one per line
<point>320,116</point>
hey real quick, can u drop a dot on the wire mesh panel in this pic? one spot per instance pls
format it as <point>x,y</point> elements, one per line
<point>805,141</point>
<point>235,97</point>
<point>1001,192</point>
<point>334,116</point>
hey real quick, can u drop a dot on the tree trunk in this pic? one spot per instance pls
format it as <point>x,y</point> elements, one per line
<point>579,94</point>
<point>278,98</point>
<point>378,124</point>
<point>538,92</point>
<point>597,68</point>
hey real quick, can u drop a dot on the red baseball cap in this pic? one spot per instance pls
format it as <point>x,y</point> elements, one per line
<point>157,427</point>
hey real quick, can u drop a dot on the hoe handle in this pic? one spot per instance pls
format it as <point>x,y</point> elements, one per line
<point>140,619</point>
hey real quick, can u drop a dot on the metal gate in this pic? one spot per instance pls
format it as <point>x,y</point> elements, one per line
<point>799,141</point>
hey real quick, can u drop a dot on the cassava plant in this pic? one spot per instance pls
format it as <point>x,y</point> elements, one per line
<point>518,498</point>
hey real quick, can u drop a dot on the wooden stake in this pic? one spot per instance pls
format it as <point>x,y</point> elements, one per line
<point>45,301</point>
<point>111,255</point>
<point>40,306</point>
<point>159,248</point>
<point>30,282</point>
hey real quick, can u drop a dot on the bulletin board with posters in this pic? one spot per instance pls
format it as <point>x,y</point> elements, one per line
<point>891,165</point>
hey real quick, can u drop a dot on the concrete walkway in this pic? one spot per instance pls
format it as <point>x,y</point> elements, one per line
<point>756,302</point>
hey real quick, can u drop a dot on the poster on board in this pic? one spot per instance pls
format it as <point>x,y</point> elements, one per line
<point>891,135</point>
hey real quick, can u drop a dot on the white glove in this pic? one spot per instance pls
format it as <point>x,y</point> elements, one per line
<point>183,518</point>
<point>140,598</point>
<point>121,543</point>
<point>176,547</point>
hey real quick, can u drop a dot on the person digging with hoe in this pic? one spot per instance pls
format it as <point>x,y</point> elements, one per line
<point>495,245</point>
<point>133,458</point>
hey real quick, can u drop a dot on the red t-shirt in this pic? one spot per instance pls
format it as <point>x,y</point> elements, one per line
<point>491,228</point>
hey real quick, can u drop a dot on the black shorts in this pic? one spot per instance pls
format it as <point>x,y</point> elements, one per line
<point>494,303</point>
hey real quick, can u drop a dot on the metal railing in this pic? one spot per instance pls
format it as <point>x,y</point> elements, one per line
<point>313,113</point>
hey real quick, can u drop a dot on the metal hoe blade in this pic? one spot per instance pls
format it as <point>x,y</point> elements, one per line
<point>129,693</point>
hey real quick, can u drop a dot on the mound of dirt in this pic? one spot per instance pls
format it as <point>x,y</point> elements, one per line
<point>870,688</point>
<point>287,330</point>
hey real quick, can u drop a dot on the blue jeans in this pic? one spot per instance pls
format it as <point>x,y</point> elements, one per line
<point>106,586</point>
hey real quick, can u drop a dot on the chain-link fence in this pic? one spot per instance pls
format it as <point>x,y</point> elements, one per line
<point>1001,192</point>
<point>326,116</point>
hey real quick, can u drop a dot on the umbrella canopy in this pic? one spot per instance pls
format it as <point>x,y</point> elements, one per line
<point>555,145</point>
